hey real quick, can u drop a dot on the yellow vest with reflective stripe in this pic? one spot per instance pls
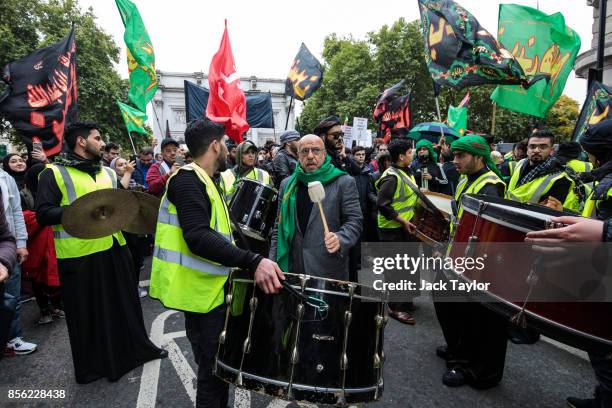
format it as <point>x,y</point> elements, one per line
<point>73,184</point>
<point>228,180</point>
<point>180,279</point>
<point>533,191</point>
<point>404,198</point>
<point>486,178</point>
<point>590,205</point>
<point>580,166</point>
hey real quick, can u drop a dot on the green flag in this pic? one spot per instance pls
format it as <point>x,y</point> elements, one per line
<point>457,118</point>
<point>543,45</point>
<point>141,59</point>
<point>133,118</point>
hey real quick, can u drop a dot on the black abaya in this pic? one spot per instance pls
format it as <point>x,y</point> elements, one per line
<point>103,313</point>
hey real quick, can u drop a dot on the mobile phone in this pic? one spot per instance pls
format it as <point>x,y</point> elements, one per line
<point>133,158</point>
<point>37,144</point>
<point>180,160</point>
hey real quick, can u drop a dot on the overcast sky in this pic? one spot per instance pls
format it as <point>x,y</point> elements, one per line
<point>266,34</point>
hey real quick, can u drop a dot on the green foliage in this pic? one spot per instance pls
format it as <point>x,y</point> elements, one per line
<point>562,118</point>
<point>36,23</point>
<point>357,71</point>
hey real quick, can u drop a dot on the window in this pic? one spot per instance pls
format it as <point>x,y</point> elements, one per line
<point>178,116</point>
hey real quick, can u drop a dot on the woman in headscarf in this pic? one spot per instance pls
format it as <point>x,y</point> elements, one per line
<point>14,165</point>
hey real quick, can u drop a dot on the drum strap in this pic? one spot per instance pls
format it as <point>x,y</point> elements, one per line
<point>319,305</point>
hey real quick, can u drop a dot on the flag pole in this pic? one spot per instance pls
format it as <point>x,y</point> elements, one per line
<point>439,119</point>
<point>289,111</point>
<point>493,119</point>
<point>132,142</point>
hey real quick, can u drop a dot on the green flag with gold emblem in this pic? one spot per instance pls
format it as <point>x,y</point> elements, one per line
<point>543,45</point>
<point>133,118</point>
<point>141,59</point>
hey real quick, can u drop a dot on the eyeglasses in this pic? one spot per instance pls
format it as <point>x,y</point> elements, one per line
<point>305,151</point>
<point>336,135</point>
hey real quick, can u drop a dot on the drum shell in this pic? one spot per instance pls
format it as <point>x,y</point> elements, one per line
<point>317,375</point>
<point>253,207</point>
<point>581,324</point>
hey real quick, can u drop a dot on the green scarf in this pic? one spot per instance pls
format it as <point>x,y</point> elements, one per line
<point>429,146</point>
<point>286,221</point>
<point>477,146</point>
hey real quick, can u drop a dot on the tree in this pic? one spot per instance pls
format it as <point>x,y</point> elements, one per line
<point>562,118</point>
<point>35,23</point>
<point>356,71</point>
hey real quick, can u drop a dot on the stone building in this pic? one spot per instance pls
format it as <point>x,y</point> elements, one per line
<point>588,59</point>
<point>169,104</point>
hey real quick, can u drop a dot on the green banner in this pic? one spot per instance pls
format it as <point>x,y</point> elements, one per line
<point>133,118</point>
<point>141,59</point>
<point>543,45</point>
<point>457,118</point>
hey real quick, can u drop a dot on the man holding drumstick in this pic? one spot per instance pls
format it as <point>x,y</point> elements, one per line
<point>194,252</point>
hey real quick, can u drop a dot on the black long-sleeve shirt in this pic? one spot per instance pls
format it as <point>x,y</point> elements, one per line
<point>193,207</point>
<point>48,198</point>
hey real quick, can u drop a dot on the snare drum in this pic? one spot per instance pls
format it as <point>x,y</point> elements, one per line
<point>253,207</point>
<point>432,217</point>
<point>325,349</point>
<point>486,222</point>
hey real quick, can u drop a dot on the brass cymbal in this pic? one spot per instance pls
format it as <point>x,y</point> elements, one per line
<point>100,213</point>
<point>146,218</point>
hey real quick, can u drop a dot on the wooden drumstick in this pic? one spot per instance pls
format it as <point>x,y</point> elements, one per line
<point>316,191</point>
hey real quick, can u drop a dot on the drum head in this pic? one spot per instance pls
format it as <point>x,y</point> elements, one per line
<point>520,216</point>
<point>441,201</point>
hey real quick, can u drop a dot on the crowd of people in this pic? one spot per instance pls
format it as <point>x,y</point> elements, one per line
<point>370,195</point>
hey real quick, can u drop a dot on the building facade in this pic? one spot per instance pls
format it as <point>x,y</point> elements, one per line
<point>588,59</point>
<point>169,105</point>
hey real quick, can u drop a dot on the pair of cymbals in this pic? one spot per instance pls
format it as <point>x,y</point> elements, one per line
<point>104,212</point>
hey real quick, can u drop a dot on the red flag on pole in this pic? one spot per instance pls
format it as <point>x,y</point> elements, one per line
<point>226,103</point>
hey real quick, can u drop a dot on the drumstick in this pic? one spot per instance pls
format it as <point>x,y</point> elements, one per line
<point>316,192</point>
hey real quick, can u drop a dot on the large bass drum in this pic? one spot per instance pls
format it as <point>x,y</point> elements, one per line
<point>320,340</point>
<point>486,222</point>
<point>253,207</point>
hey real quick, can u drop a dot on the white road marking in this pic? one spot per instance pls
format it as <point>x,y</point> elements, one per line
<point>242,398</point>
<point>147,394</point>
<point>183,369</point>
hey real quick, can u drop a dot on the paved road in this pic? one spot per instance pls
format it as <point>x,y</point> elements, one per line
<point>540,375</point>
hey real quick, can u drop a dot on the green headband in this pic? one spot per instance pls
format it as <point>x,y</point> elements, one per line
<point>477,146</point>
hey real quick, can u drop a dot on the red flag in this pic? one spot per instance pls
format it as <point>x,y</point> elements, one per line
<point>226,103</point>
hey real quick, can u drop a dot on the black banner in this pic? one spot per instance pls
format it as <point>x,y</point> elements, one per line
<point>597,107</point>
<point>392,111</point>
<point>41,98</point>
<point>460,52</point>
<point>305,75</point>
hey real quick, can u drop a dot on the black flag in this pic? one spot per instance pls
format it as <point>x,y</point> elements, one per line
<point>41,98</point>
<point>460,52</point>
<point>597,107</point>
<point>305,75</point>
